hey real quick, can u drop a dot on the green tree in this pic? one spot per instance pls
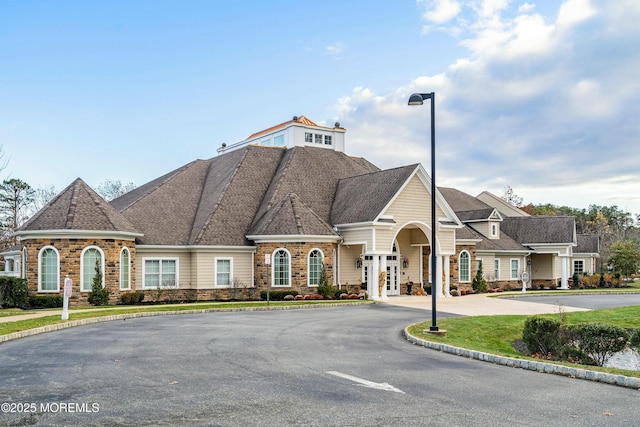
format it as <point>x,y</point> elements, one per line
<point>16,197</point>
<point>98,294</point>
<point>625,257</point>
<point>479,284</point>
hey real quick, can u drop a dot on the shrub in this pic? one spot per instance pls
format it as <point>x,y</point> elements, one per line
<point>13,292</point>
<point>325,288</point>
<point>98,294</point>
<point>479,284</point>
<point>131,298</point>
<point>45,301</point>
<point>277,295</point>
<point>542,335</point>
<point>634,339</point>
<point>598,340</point>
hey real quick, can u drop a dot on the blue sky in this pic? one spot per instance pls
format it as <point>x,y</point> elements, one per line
<point>542,96</point>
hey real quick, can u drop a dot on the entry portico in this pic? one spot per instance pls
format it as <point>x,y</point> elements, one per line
<point>387,227</point>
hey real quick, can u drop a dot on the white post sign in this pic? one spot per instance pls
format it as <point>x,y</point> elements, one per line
<point>67,293</point>
<point>525,279</point>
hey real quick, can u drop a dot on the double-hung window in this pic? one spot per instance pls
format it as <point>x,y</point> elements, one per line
<point>160,273</point>
<point>125,268</point>
<point>223,272</point>
<point>515,269</point>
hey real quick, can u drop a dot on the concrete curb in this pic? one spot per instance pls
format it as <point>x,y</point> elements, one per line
<point>92,320</point>
<point>543,367</point>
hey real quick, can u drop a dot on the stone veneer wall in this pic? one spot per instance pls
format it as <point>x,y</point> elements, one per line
<point>299,264</point>
<point>70,251</point>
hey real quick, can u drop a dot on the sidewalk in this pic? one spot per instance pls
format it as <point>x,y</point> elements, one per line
<point>478,305</point>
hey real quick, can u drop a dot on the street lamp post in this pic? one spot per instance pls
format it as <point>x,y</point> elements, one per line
<point>418,99</point>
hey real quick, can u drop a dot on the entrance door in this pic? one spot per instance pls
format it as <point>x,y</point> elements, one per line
<point>393,287</point>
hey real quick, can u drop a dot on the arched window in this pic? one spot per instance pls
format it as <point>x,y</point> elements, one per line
<point>281,272</point>
<point>24,263</point>
<point>316,266</point>
<point>90,259</point>
<point>464,270</point>
<point>48,270</point>
<point>125,268</point>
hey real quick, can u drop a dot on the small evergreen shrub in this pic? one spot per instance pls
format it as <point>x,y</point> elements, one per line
<point>542,335</point>
<point>132,298</point>
<point>45,301</point>
<point>598,340</point>
<point>277,295</point>
<point>13,292</point>
<point>479,284</point>
<point>98,294</point>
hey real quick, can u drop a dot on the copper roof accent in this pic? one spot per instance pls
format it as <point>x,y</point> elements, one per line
<point>301,119</point>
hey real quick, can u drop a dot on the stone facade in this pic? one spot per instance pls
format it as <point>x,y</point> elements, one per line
<point>69,251</point>
<point>299,264</point>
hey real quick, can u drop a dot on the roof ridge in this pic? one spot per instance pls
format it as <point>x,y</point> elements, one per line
<point>103,205</point>
<point>315,215</point>
<point>73,204</point>
<point>217,202</point>
<point>293,197</point>
<point>170,175</point>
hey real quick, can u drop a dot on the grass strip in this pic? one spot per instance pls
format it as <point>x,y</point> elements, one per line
<point>494,334</point>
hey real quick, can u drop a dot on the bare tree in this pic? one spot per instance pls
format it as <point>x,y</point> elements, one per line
<point>16,196</point>
<point>113,189</point>
<point>512,198</point>
<point>43,195</point>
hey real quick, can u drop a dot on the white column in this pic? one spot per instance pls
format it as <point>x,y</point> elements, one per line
<point>447,279</point>
<point>421,267</point>
<point>438,285</point>
<point>374,277</point>
<point>383,267</point>
<point>564,280</point>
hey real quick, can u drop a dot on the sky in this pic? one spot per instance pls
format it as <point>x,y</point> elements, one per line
<point>541,96</point>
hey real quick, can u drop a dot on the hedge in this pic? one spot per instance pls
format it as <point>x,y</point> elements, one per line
<point>13,292</point>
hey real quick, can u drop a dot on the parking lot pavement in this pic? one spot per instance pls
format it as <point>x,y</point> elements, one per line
<point>481,305</point>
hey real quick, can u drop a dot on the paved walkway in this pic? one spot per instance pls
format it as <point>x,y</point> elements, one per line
<point>479,305</point>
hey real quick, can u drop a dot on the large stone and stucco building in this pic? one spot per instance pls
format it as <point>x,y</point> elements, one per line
<point>278,209</point>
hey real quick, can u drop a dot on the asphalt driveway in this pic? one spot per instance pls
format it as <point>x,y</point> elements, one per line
<point>327,366</point>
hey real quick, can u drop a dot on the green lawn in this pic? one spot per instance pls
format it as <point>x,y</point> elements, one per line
<point>494,334</point>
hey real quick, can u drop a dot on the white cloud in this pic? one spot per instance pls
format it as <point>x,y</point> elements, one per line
<point>545,103</point>
<point>439,11</point>
<point>334,49</point>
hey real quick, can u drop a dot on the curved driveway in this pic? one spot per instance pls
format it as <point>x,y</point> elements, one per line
<point>330,366</point>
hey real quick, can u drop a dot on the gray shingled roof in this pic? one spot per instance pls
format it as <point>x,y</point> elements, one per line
<point>313,175</point>
<point>291,217</point>
<point>587,244</point>
<point>207,202</point>
<point>78,207</point>
<point>362,198</point>
<point>540,229</point>
<point>463,202</point>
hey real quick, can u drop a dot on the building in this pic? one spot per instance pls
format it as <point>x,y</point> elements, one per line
<point>277,210</point>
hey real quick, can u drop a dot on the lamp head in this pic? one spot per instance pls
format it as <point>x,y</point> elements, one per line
<point>418,98</point>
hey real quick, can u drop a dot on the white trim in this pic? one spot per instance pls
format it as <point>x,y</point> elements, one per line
<point>76,234</point>
<point>511,269</point>
<point>144,266</point>
<point>40,290</point>
<point>215,272</point>
<point>468,280</point>
<point>309,265</point>
<point>273,268</point>
<point>82,267</point>
<point>128,288</point>
<point>194,248</point>
<point>294,238</point>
